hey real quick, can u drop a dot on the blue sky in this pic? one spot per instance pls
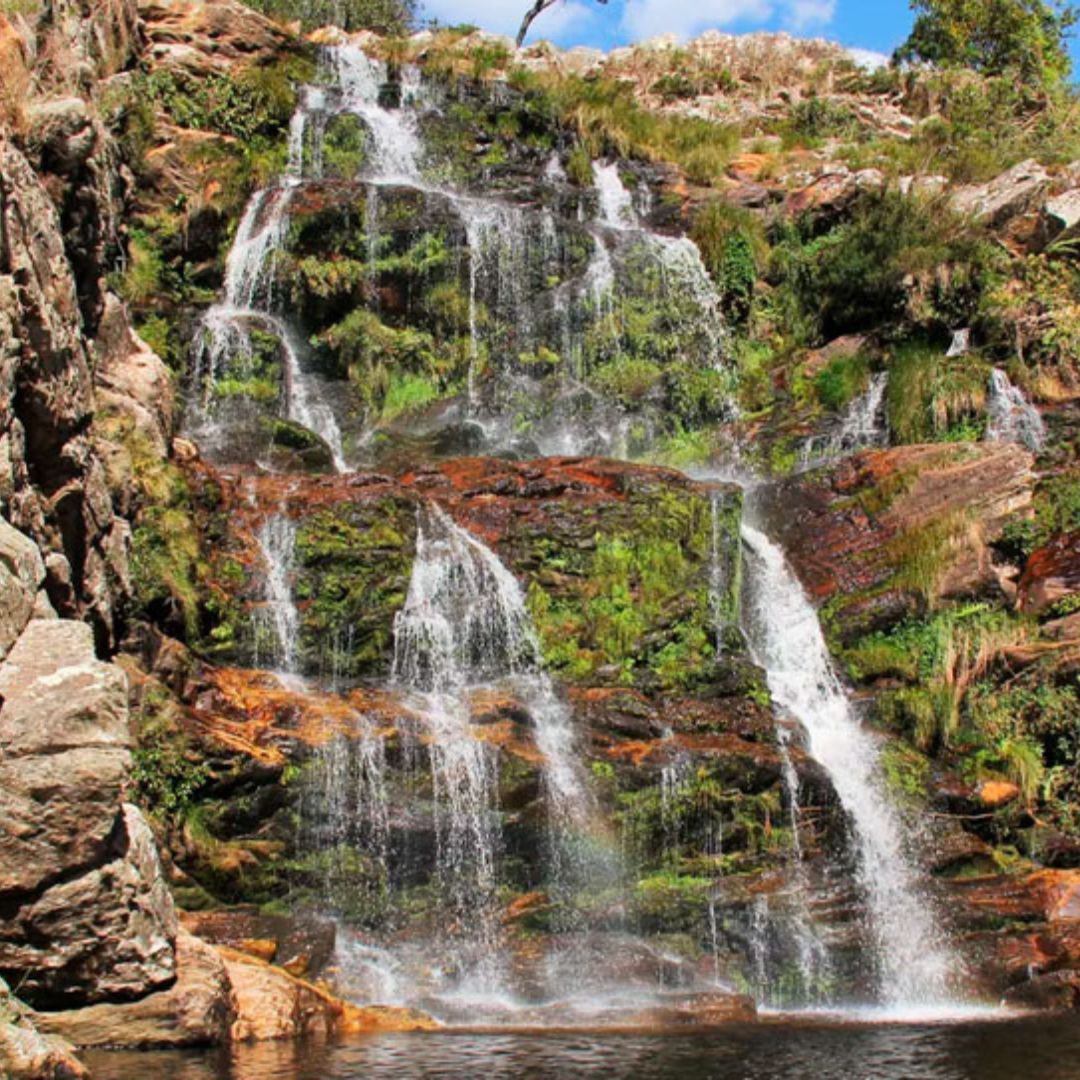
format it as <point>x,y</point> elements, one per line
<point>877,25</point>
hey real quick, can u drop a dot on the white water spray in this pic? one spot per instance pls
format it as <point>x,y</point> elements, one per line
<point>785,638</point>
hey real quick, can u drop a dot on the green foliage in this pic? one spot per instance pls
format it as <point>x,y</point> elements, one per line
<point>816,118</point>
<point>141,281</point>
<point>1056,510</point>
<point>407,393</point>
<point>841,380</point>
<point>257,101</point>
<point>167,773</point>
<point>906,770</point>
<point>931,397</point>
<point>611,120</point>
<point>1025,39</point>
<point>633,606</point>
<point>860,275</point>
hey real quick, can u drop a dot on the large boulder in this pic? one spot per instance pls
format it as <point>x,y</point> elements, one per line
<point>1016,191</point>
<point>87,914</point>
<point>64,755</point>
<point>197,1010</point>
<point>108,934</point>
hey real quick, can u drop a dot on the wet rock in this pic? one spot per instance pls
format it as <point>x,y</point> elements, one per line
<point>1051,574</point>
<point>197,1010</point>
<point>26,1053</point>
<point>277,938</point>
<point>1057,991</point>
<point>271,1004</point>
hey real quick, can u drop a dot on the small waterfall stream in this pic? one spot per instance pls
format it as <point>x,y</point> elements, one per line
<point>1012,418</point>
<point>913,961</point>
<point>280,620</point>
<point>863,424</point>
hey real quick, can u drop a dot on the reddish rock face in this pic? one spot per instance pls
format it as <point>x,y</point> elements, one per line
<point>1051,574</point>
<point>886,530</point>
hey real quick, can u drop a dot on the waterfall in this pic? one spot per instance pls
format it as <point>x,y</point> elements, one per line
<point>913,962</point>
<point>678,258</point>
<point>395,148</point>
<point>863,424</point>
<point>224,333</point>
<point>464,624</point>
<point>1011,417</point>
<point>812,954</point>
<point>279,618</point>
<point>616,203</point>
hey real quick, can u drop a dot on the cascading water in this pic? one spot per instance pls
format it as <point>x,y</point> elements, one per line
<point>1011,417</point>
<point>914,964</point>
<point>279,622</point>
<point>463,626</point>
<point>864,424</point>
<point>679,259</point>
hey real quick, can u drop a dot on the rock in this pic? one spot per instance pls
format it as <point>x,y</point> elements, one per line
<point>283,938</point>
<point>22,573</point>
<point>1014,192</point>
<point>58,696</point>
<point>1051,574</point>
<point>56,489</point>
<point>197,1010</point>
<point>1061,214</point>
<point>711,1009</point>
<point>132,379</point>
<point>64,755</point>
<point>27,1054</point>
<point>886,531</point>
<point>88,916</point>
<point>107,934</point>
<point>1058,991</point>
<point>208,37</point>
<point>997,793</point>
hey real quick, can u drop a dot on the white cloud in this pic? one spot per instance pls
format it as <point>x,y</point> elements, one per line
<point>686,18</point>
<point>504,16</point>
<point>803,14</point>
<point>868,59</point>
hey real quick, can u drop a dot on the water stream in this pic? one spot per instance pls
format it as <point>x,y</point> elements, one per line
<point>915,966</point>
<point>1012,418</point>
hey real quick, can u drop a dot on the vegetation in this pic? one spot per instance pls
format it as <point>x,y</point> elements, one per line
<point>1024,39</point>
<point>382,16</point>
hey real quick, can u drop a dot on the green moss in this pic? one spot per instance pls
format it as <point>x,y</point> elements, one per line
<point>353,562</point>
<point>629,599</point>
<point>906,770</point>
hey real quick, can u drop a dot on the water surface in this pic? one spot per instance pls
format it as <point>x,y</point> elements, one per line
<point>1040,1048</point>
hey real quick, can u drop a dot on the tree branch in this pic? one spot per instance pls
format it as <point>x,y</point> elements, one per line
<point>531,14</point>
